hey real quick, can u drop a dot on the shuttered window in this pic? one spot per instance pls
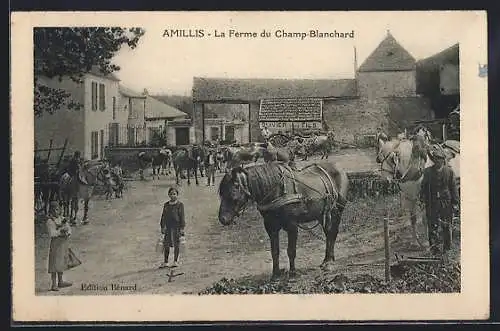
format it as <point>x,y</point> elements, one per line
<point>102,97</point>
<point>94,145</point>
<point>94,96</point>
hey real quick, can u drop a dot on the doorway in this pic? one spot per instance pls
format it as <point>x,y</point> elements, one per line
<point>181,136</point>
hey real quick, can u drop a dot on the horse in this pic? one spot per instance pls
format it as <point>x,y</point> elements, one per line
<point>153,159</point>
<point>318,143</point>
<point>238,156</point>
<point>270,153</point>
<point>286,199</point>
<point>47,190</point>
<point>403,161</point>
<point>189,160</point>
<point>72,189</point>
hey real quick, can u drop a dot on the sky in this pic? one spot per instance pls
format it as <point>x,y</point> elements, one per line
<point>164,65</point>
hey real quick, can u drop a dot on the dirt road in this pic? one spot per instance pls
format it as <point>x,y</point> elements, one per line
<point>118,246</point>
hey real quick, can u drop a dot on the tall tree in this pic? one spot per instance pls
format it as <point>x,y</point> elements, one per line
<point>72,52</point>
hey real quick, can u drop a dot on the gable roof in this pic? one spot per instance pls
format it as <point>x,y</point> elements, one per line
<point>157,109</point>
<point>96,71</point>
<point>130,93</point>
<point>388,56</point>
<point>220,89</point>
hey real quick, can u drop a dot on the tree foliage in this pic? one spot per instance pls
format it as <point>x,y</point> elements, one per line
<point>72,52</point>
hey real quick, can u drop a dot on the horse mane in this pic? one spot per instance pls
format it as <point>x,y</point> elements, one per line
<point>419,149</point>
<point>263,179</point>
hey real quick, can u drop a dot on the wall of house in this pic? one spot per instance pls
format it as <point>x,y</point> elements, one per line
<point>63,124</point>
<point>353,118</point>
<point>198,122</point>
<point>97,120</point>
<point>373,85</point>
<point>254,130</point>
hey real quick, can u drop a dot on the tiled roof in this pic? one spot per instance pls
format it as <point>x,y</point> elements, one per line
<point>158,109</point>
<point>130,93</point>
<point>388,56</point>
<point>217,89</point>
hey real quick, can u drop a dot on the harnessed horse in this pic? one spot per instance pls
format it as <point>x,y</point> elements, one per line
<point>80,187</point>
<point>403,161</point>
<point>286,199</point>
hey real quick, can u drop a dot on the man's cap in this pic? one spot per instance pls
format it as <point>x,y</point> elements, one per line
<point>437,152</point>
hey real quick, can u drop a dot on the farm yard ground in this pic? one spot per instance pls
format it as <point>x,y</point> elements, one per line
<point>118,246</point>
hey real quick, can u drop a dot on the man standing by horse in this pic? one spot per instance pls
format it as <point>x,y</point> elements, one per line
<point>439,194</point>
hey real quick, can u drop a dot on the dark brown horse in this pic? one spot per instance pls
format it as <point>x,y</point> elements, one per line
<point>72,189</point>
<point>287,198</point>
<point>189,159</point>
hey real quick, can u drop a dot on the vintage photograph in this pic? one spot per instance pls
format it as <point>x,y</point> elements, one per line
<point>217,158</point>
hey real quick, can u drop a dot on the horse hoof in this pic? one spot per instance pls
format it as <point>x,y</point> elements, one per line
<point>327,266</point>
<point>292,274</point>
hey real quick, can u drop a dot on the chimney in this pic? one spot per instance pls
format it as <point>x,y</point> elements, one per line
<point>145,92</point>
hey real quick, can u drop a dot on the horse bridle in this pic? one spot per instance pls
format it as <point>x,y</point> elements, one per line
<point>392,171</point>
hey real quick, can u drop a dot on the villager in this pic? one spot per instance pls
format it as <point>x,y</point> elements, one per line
<point>210,161</point>
<point>59,231</point>
<point>439,194</point>
<point>172,226</point>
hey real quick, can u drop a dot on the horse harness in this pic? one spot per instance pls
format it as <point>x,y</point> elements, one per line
<point>330,195</point>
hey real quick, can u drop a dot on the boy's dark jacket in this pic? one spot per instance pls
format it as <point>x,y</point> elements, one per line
<point>439,191</point>
<point>173,216</point>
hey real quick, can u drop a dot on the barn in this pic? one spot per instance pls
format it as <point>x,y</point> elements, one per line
<point>382,93</point>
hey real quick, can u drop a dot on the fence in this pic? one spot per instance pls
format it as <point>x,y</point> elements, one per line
<point>134,136</point>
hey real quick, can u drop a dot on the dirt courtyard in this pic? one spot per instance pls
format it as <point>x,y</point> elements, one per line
<point>118,246</point>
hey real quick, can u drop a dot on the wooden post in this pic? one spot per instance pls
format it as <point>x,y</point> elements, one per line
<point>50,150</point>
<point>203,124</point>
<point>387,250</point>
<point>62,154</point>
<point>444,131</point>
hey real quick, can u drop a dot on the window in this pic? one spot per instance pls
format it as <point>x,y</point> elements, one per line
<point>102,97</point>
<point>214,133</point>
<point>94,95</point>
<point>94,145</point>
<point>114,108</point>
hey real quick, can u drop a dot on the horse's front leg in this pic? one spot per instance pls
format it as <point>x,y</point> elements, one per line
<point>85,219</point>
<point>273,233</point>
<point>73,209</point>
<point>196,177</point>
<point>292,232</point>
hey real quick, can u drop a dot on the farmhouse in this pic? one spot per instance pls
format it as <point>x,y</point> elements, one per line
<point>87,128</point>
<point>382,93</point>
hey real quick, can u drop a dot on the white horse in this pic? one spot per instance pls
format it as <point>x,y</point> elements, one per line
<point>403,162</point>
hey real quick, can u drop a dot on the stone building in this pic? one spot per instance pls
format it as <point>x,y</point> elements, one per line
<point>382,93</point>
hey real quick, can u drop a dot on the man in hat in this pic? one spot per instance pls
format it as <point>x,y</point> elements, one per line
<point>74,165</point>
<point>439,194</point>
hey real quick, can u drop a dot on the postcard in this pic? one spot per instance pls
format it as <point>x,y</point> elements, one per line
<point>222,166</point>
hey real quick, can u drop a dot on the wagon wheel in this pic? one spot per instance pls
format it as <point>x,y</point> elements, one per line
<point>279,140</point>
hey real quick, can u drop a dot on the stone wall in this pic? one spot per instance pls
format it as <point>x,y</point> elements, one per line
<point>355,117</point>
<point>374,85</point>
